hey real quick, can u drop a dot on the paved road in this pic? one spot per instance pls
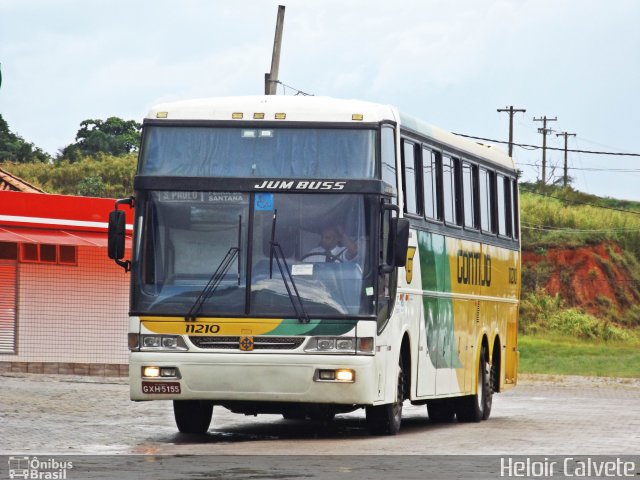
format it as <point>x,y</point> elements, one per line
<point>544,415</point>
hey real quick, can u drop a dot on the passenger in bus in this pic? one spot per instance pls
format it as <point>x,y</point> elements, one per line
<point>335,246</point>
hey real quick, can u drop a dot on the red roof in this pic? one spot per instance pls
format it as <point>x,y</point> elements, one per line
<point>9,182</point>
<point>56,219</point>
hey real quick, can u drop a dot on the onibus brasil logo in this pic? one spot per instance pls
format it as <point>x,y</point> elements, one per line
<point>34,468</point>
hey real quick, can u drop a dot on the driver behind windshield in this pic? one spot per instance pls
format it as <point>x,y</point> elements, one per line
<point>334,246</point>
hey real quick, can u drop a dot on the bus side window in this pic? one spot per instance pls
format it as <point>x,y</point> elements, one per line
<point>516,217</point>
<point>410,177</point>
<point>451,190</point>
<point>508,203</point>
<point>487,199</point>
<point>388,155</point>
<point>430,170</point>
<point>504,207</point>
<point>470,194</point>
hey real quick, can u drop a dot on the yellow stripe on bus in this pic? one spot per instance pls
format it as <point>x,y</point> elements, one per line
<point>209,326</point>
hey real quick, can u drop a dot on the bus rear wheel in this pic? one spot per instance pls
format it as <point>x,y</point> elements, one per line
<point>386,419</point>
<point>192,416</point>
<point>473,408</point>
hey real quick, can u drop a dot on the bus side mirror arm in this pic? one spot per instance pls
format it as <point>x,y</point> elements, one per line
<point>116,234</point>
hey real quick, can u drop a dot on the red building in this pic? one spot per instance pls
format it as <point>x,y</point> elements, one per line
<point>63,303</point>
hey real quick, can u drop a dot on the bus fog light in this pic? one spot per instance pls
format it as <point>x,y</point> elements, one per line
<point>168,372</point>
<point>345,375</point>
<point>341,375</point>
<point>327,375</point>
<point>150,372</point>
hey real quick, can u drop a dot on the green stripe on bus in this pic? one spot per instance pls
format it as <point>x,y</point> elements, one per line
<point>292,326</point>
<point>438,312</point>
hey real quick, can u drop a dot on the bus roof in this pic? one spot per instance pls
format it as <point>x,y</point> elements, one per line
<point>317,109</point>
<point>487,152</point>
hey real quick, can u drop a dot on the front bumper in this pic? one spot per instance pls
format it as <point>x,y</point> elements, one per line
<point>258,377</point>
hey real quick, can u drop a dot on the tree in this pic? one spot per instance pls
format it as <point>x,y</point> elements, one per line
<point>13,148</point>
<point>112,136</point>
<point>91,187</point>
<point>104,175</point>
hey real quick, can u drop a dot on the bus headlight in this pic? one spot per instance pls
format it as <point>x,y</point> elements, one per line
<point>160,342</point>
<point>364,345</point>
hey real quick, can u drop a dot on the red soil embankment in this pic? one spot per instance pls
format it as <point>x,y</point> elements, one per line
<point>586,276</point>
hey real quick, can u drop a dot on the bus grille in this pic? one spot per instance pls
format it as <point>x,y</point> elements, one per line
<point>259,343</point>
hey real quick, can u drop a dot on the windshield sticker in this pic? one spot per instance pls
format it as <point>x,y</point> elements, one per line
<point>264,201</point>
<point>220,197</point>
<point>302,269</point>
<point>202,197</point>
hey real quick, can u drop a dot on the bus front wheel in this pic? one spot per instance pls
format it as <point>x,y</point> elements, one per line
<point>473,408</point>
<point>192,416</point>
<point>441,410</point>
<point>386,419</point>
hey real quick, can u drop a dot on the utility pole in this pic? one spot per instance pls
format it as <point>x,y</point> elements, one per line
<point>271,78</point>
<point>511,111</point>
<point>565,178</point>
<point>544,131</point>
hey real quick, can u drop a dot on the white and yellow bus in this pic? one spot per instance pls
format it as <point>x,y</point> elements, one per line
<point>310,256</point>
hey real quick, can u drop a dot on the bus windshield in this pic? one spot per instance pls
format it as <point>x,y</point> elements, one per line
<point>258,152</point>
<point>188,151</point>
<point>324,241</point>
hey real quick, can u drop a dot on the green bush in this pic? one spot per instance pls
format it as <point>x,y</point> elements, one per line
<point>543,313</point>
<point>104,175</point>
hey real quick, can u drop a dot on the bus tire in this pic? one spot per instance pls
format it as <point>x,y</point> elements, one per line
<point>192,416</point>
<point>474,408</point>
<point>294,412</point>
<point>386,419</point>
<point>321,414</point>
<point>441,411</point>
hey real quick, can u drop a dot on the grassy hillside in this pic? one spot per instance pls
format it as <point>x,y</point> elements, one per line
<point>563,217</point>
<point>581,268</point>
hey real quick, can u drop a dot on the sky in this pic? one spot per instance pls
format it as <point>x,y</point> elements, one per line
<point>452,63</point>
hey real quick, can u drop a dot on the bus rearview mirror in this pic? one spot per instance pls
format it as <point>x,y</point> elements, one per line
<point>401,228</point>
<point>115,235</point>
<point>398,242</point>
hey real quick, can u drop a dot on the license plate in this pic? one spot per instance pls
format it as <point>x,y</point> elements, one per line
<point>161,387</point>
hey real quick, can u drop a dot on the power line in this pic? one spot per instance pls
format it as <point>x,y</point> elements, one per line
<point>298,92</point>
<point>592,169</point>
<point>549,228</point>
<point>537,147</point>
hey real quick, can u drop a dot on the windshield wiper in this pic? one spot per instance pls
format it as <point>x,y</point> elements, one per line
<point>276,252</point>
<point>218,275</point>
<point>213,283</point>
